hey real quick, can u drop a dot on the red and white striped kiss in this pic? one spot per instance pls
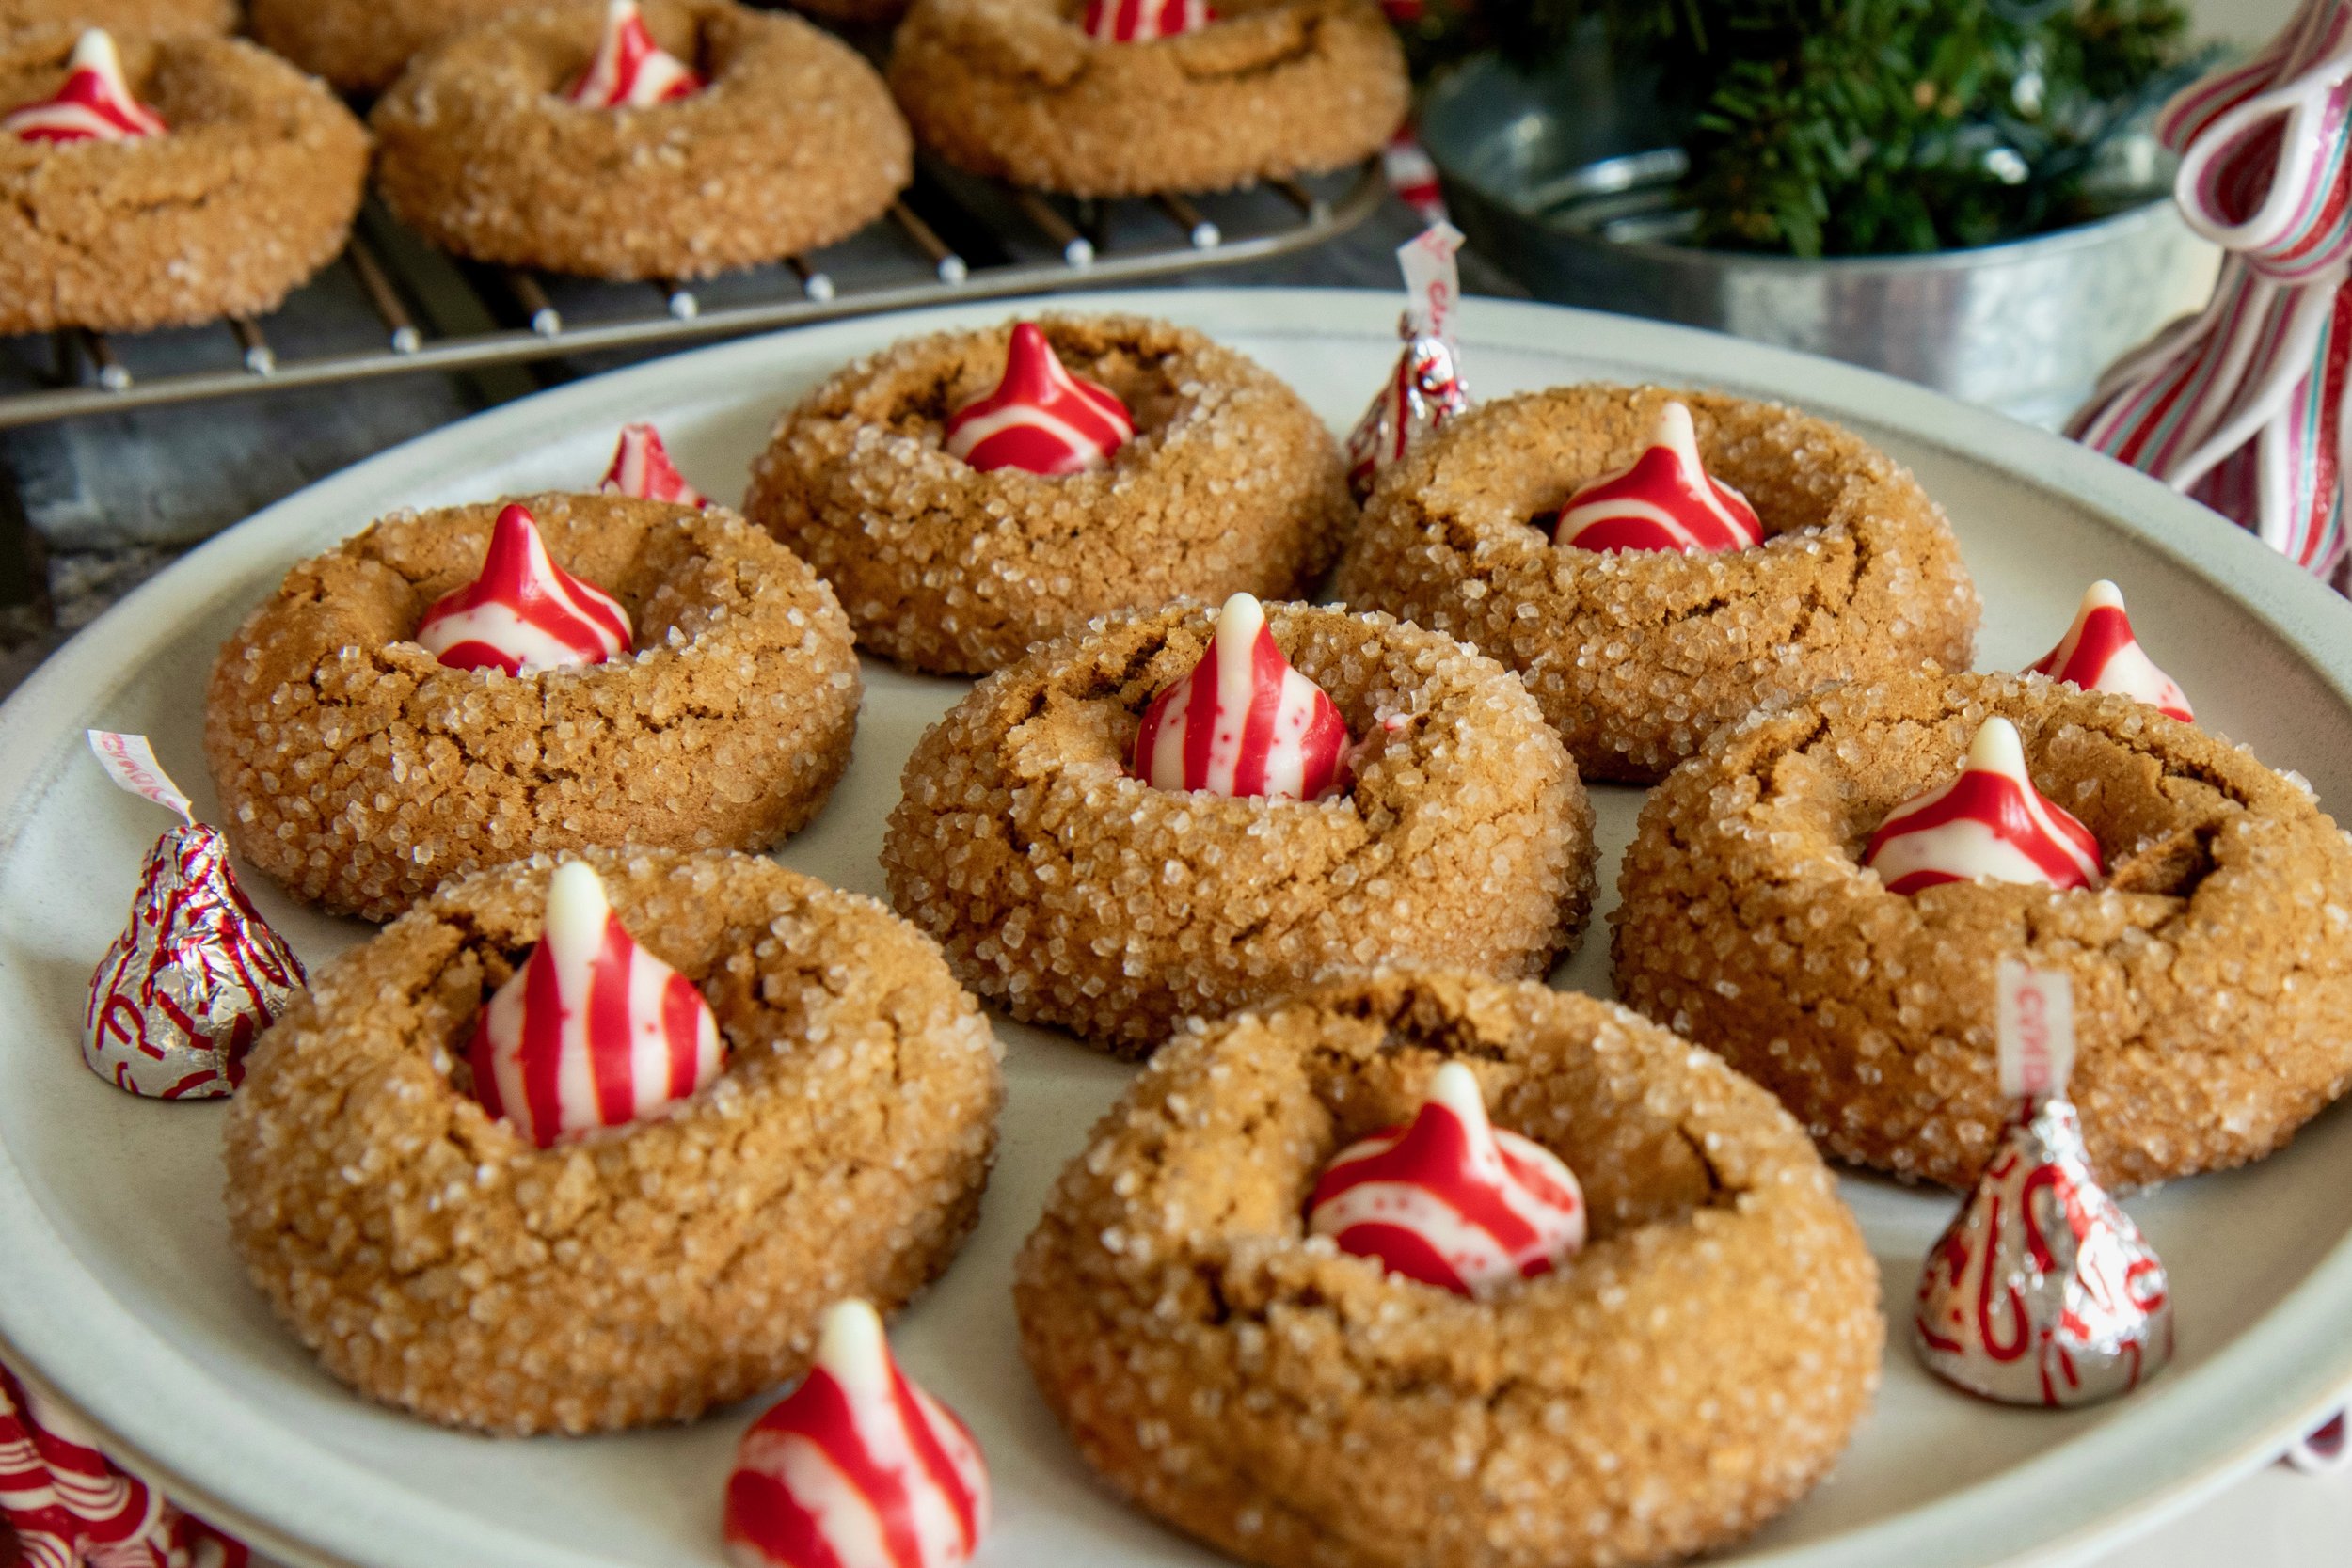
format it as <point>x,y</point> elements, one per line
<point>1244,722</point>
<point>1451,1200</point>
<point>524,612</point>
<point>95,103</point>
<point>1988,825</point>
<point>641,467</point>
<point>857,1468</point>
<point>630,71</point>
<point>1040,417</point>
<point>592,1031</point>
<point>2100,652</point>
<point>1141,21</point>
<point>1664,500</point>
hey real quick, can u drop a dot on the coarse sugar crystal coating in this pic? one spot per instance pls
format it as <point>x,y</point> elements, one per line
<point>2211,969</point>
<point>358,772</point>
<point>794,145</point>
<point>1637,656</point>
<point>1230,484</point>
<point>1015,89</point>
<point>250,192</point>
<point>436,1261</point>
<point>1073,893</point>
<point>1692,1373</point>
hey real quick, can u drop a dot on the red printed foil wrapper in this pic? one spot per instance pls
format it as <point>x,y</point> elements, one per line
<point>67,1504</point>
<point>1426,389</point>
<point>2042,1291</point>
<point>197,974</point>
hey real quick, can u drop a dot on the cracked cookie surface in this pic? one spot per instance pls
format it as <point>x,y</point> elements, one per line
<point>1638,656</point>
<point>792,146</point>
<point>1689,1374</point>
<point>2212,970</point>
<point>1015,89</point>
<point>1230,484</point>
<point>250,192</point>
<point>1073,893</point>
<point>358,772</point>
<point>436,1261</point>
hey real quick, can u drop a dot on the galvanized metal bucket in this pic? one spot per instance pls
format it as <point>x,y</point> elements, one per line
<point>1562,179</point>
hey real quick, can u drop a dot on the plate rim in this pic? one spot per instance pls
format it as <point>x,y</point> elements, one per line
<point>2304,1340</point>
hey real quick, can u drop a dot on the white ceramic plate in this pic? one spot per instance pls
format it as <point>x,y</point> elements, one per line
<point>118,1290</point>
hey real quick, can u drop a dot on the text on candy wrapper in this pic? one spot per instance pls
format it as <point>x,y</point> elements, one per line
<point>2036,1017</point>
<point>130,762</point>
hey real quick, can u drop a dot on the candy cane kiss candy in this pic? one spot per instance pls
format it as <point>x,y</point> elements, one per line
<point>1141,21</point>
<point>857,1468</point>
<point>641,467</point>
<point>630,71</point>
<point>1989,824</point>
<point>2042,1291</point>
<point>1245,722</point>
<point>524,612</point>
<point>1664,499</point>
<point>2099,653</point>
<point>1040,417</point>
<point>94,104</point>
<point>1450,1199</point>
<point>592,1031</point>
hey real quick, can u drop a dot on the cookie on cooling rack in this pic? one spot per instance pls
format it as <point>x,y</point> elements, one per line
<point>455,688</point>
<point>1655,563</point>
<point>164,181</point>
<point>360,46</point>
<point>693,137</point>
<point>540,1241</point>
<point>1125,98</point>
<point>1695,1368</point>
<point>1175,811</point>
<point>1821,896</point>
<point>969,494</point>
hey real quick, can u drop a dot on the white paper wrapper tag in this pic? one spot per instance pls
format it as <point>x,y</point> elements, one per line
<point>2037,1030</point>
<point>1433,279</point>
<point>130,762</point>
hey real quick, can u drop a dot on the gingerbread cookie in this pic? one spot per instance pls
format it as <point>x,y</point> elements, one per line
<point>163,182</point>
<point>124,19</point>
<point>1805,898</point>
<point>1690,1373</point>
<point>1092,858</point>
<point>450,1259</point>
<point>1643,637</point>
<point>496,145</point>
<point>1223,481</point>
<point>361,46</point>
<point>360,766</point>
<point>1025,91</point>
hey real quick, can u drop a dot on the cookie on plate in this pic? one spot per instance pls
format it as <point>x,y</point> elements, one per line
<point>682,681</point>
<point>458,1226</point>
<point>970,494</point>
<point>1655,563</point>
<point>1691,1372</point>
<point>1168,813</point>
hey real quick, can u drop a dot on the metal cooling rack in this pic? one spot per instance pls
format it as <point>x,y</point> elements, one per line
<point>390,305</point>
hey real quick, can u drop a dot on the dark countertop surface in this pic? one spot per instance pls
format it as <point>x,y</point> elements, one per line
<point>91,507</point>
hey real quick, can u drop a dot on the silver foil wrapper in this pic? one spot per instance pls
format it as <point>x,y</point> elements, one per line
<point>2042,1291</point>
<point>1423,391</point>
<point>193,979</point>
